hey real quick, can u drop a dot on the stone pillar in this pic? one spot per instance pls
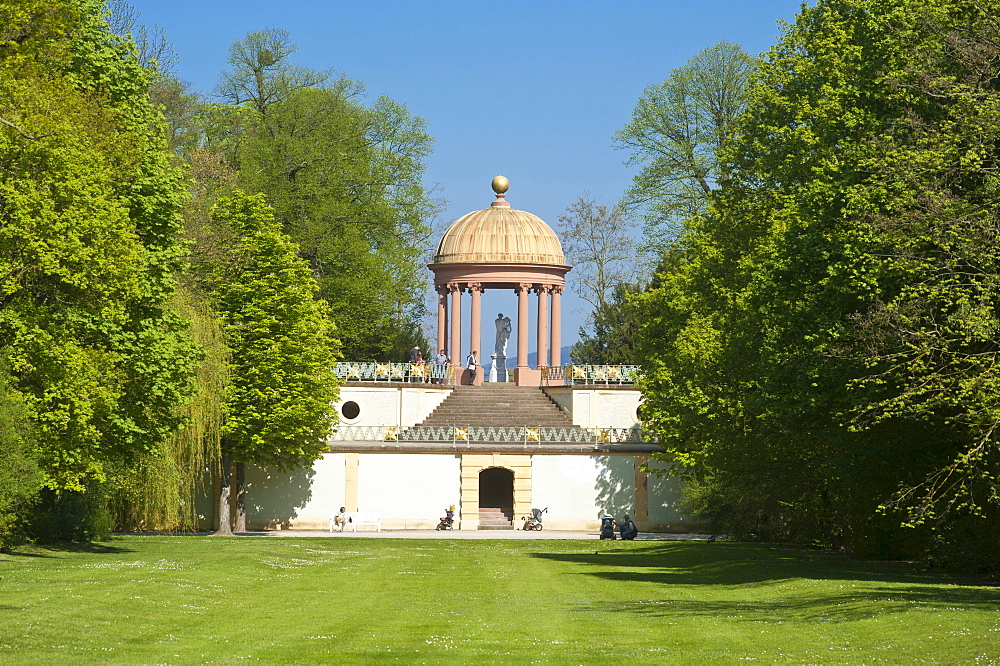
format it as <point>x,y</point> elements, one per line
<point>475,337</point>
<point>351,481</point>
<point>641,509</point>
<point>522,324</point>
<point>456,326</point>
<point>556,347</point>
<point>442,338</point>
<point>543,324</point>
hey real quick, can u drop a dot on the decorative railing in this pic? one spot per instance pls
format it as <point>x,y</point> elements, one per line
<point>557,375</point>
<point>350,371</point>
<point>491,434</point>
<point>565,375</point>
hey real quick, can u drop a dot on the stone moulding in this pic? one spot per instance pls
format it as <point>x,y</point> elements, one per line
<point>472,438</point>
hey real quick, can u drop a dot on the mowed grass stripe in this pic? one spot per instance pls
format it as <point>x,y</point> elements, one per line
<point>201,599</point>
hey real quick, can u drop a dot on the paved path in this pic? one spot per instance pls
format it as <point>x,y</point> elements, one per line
<point>467,534</point>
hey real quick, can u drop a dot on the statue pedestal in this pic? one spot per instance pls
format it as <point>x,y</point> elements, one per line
<point>498,371</point>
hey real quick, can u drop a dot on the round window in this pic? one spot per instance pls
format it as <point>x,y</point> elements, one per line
<point>350,410</point>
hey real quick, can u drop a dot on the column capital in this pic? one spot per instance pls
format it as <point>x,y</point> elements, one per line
<point>441,288</point>
<point>453,287</point>
<point>475,286</point>
<point>557,288</point>
<point>523,287</point>
<point>543,288</point>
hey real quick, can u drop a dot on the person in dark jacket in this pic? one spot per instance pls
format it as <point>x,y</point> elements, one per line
<point>627,529</point>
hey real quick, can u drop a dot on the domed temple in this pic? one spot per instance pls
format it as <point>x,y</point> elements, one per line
<point>415,439</point>
<point>501,248</point>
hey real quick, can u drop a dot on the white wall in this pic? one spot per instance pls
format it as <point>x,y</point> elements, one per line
<point>391,405</point>
<point>579,488</point>
<point>616,409</point>
<point>408,487</point>
<point>664,495</point>
<point>599,408</point>
<point>411,491</point>
<point>418,403</point>
<point>303,498</point>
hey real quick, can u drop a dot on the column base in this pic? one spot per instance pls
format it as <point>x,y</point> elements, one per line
<point>527,376</point>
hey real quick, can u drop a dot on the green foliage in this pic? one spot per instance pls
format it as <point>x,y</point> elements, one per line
<point>821,341</point>
<point>159,491</point>
<point>88,242</point>
<point>71,515</point>
<point>344,179</point>
<point>20,476</point>
<point>180,107</point>
<point>278,404</point>
<point>676,132</point>
<point>615,328</point>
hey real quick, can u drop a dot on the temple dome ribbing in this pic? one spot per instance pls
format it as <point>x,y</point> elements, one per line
<point>500,235</point>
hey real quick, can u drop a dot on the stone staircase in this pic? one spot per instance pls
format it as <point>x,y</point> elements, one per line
<point>495,518</point>
<point>498,404</point>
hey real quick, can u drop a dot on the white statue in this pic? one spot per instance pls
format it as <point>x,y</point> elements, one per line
<point>503,335</point>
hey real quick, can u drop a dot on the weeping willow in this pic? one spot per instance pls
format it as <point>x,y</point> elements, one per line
<point>160,491</point>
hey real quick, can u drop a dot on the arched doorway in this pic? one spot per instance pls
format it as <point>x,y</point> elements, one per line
<point>496,498</point>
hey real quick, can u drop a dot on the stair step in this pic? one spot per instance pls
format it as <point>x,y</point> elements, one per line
<point>500,406</point>
<point>490,516</point>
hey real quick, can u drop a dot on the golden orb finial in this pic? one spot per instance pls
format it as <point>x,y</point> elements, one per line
<point>500,184</point>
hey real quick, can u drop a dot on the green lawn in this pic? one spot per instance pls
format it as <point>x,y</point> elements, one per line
<point>201,599</point>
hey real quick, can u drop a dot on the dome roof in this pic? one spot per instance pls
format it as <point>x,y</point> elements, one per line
<point>500,235</point>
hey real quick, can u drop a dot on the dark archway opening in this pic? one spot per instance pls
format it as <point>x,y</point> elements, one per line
<point>496,498</point>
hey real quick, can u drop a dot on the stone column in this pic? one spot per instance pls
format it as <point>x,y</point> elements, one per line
<point>351,481</point>
<point>475,337</point>
<point>522,324</point>
<point>456,325</point>
<point>556,347</point>
<point>543,324</point>
<point>641,509</point>
<point>442,338</point>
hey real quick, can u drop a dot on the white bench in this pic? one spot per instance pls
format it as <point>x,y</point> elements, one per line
<point>362,518</point>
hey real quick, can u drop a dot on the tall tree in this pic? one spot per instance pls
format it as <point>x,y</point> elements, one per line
<point>612,334</point>
<point>677,130</point>
<point>153,49</point>
<point>20,475</point>
<point>820,341</point>
<point>89,242</point>
<point>345,181</point>
<point>278,405</point>
<point>260,73</point>
<point>598,244</point>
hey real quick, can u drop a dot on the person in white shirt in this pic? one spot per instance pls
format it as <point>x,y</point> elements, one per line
<point>472,363</point>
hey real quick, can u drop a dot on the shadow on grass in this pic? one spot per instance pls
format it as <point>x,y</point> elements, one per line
<point>813,607</point>
<point>50,549</point>
<point>885,586</point>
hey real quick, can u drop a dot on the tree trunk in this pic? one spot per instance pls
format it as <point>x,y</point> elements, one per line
<point>241,497</point>
<point>225,529</point>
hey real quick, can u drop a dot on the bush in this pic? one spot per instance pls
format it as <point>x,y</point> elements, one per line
<point>20,476</point>
<point>68,515</point>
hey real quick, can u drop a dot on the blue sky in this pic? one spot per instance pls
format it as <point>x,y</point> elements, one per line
<point>530,90</point>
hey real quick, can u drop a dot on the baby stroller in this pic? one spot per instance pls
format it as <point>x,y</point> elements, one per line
<point>448,522</point>
<point>535,522</point>
<point>608,527</point>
